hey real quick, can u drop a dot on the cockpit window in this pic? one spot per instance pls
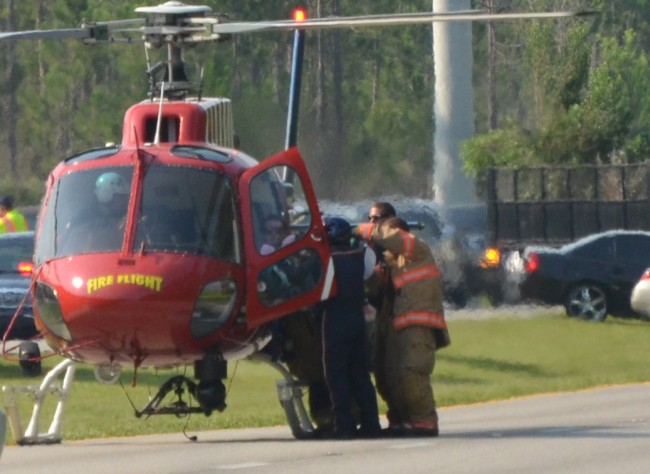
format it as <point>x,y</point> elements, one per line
<point>94,154</point>
<point>183,210</point>
<point>188,210</point>
<point>200,153</point>
<point>280,213</point>
<point>86,212</point>
<point>281,217</point>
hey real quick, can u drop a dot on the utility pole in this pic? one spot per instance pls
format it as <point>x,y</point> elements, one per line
<point>453,108</point>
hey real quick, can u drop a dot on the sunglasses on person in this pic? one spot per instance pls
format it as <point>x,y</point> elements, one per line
<point>374,217</point>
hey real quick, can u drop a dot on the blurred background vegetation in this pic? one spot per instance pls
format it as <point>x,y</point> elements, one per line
<point>554,91</point>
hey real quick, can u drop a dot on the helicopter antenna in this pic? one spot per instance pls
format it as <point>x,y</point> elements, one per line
<point>156,139</point>
<point>200,91</point>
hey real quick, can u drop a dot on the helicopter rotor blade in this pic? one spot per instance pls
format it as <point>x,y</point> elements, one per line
<point>75,33</point>
<point>89,32</point>
<point>214,27</point>
<point>381,20</point>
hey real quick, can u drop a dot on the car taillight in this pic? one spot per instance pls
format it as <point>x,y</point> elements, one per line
<point>532,262</point>
<point>646,275</point>
<point>25,268</point>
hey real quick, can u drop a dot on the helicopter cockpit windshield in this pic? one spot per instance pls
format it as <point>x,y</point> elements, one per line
<point>182,209</point>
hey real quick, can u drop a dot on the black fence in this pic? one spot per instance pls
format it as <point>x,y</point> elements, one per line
<point>555,205</point>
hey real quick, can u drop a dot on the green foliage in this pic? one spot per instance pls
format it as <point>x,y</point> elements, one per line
<point>501,147</point>
<point>28,190</point>
<point>565,91</point>
<point>591,105</point>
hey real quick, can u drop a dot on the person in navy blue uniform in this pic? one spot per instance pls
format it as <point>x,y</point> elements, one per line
<point>345,359</point>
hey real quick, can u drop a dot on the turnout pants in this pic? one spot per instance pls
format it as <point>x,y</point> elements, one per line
<point>409,361</point>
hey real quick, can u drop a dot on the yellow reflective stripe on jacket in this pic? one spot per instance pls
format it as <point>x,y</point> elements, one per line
<point>419,318</point>
<point>14,221</point>
<point>415,275</point>
<point>9,224</point>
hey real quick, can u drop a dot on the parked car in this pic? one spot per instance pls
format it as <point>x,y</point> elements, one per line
<point>640,299</point>
<point>591,277</point>
<point>16,255</point>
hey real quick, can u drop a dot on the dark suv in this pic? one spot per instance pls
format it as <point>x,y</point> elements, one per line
<point>16,256</point>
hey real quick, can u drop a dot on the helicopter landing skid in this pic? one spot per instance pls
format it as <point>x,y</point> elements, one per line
<point>290,393</point>
<point>50,385</point>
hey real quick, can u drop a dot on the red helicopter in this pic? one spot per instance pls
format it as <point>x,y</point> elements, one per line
<point>148,252</point>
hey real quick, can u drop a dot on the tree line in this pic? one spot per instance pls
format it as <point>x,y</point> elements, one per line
<point>546,92</point>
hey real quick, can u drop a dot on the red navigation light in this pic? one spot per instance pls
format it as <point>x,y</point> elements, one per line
<point>300,14</point>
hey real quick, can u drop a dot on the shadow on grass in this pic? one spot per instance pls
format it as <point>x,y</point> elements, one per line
<point>485,363</point>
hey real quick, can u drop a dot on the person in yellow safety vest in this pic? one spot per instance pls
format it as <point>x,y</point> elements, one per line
<point>10,219</point>
<point>418,328</point>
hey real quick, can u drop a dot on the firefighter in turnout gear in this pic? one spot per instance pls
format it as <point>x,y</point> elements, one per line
<point>380,293</point>
<point>418,328</point>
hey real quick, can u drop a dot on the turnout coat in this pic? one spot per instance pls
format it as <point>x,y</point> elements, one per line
<point>416,278</point>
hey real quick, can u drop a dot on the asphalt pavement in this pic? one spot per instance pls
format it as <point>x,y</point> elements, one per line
<point>601,430</point>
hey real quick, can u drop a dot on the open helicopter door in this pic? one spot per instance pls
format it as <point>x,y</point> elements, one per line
<point>294,270</point>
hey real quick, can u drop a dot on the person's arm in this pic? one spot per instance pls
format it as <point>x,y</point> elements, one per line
<point>395,240</point>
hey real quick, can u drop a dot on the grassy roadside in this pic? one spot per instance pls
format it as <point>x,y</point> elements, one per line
<point>489,359</point>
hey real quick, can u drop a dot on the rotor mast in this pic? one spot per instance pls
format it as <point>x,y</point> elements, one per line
<point>172,24</point>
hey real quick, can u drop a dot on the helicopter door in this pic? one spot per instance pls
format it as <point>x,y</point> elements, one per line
<point>288,264</point>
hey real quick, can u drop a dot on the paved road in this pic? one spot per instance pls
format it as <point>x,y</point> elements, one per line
<point>596,431</point>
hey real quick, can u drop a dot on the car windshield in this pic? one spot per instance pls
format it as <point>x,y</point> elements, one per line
<point>15,249</point>
<point>182,209</point>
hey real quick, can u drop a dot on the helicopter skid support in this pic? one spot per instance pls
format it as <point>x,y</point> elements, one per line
<point>50,385</point>
<point>179,386</point>
<point>290,393</point>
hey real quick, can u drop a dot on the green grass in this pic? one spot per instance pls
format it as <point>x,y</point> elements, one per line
<point>489,359</point>
<point>504,358</point>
